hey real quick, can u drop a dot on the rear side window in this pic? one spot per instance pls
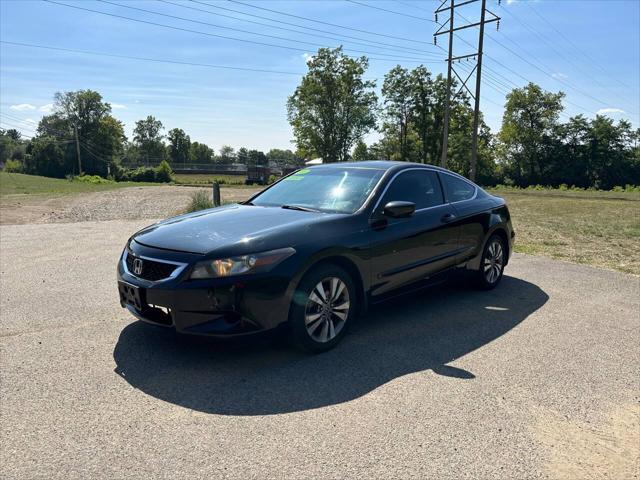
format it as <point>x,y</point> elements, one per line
<point>457,189</point>
<point>418,186</point>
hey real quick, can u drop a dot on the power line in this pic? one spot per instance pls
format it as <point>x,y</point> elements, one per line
<point>518,74</point>
<point>172,27</point>
<point>390,11</point>
<point>540,69</point>
<point>328,23</point>
<point>366,43</point>
<point>576,47</point>
<point>306,27</point>
<point>148,59</point>
<point>275,37</point>
<point>409,4</point>
<point>551,44</point>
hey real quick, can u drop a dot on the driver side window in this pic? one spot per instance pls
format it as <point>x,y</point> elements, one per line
<point>418,186</point>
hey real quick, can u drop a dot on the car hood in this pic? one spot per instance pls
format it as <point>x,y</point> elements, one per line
<point>234,229</point>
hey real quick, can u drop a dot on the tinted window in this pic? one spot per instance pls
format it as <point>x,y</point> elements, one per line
<point>418,186</point>
<point>334,189</point>
<point>457,189</point>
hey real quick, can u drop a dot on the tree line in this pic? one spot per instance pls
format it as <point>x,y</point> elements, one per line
<point>331,111</point>
<point>82,121</point>
<point>334,107</point>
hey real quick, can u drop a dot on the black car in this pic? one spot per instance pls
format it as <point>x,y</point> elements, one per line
<point>313,250</point>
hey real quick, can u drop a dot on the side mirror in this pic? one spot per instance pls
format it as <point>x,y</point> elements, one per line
<point>399,209</point>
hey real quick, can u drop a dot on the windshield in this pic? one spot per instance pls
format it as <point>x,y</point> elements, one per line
<point>336,190</point>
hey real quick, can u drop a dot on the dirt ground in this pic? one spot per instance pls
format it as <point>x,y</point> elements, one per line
<point>536,379</point>
<point>123,204</point>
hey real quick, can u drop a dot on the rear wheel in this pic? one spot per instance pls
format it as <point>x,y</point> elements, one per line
<point>323,306</point>
<point>492,263</point>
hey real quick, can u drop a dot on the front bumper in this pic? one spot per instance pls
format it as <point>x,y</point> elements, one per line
<point>218,307</point>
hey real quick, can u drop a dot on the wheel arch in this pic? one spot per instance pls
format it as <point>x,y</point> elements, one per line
<point>346,264</point>
<point>500,230</point>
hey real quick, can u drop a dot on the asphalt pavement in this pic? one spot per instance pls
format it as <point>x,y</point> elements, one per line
<point>536,379</point>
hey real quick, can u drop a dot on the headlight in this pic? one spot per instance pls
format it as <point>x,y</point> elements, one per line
<point>253,263</point>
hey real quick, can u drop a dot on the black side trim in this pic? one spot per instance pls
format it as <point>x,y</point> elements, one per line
<point>420,263</point>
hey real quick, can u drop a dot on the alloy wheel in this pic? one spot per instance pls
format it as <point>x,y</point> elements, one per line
<point>327,309</point>
<point>493,261</point>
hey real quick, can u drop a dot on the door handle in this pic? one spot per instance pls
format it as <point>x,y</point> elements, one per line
<point>447,218</point>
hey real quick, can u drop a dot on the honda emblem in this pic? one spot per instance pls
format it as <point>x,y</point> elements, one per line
<point>137,266</point>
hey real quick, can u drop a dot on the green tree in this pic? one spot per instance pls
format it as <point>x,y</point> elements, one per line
<point>360,152</point>
<point>529,122</point>
<point>100,135</point>
<point>257,158</point>
<point>398,102</point>
<point>333,107</point>
<point>200,153</point>
<point>48,158</point>
<point>422,115</point>
<point>179,146</point>
<point>6,147</point>
<point>12,133</point>
<point>284,157</point>
<point>227,154</point>
<point>242,155</point>
<point>147,137</point>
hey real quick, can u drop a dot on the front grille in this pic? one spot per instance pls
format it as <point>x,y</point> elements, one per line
<point>151,270</point>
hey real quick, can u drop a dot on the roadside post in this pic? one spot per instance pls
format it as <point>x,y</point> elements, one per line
<point>216,194</point>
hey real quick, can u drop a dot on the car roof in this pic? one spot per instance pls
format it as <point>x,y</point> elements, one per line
<point>378,165</point>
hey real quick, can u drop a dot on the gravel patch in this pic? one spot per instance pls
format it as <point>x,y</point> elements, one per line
<point>122,204</point>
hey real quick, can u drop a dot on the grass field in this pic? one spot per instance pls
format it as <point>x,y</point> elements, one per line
<point>208,179</point>
<point>18,183</point>
<point>596,228</point>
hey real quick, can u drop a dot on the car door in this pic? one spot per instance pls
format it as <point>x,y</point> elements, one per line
<point>461,194</point>
<point>405,250</point>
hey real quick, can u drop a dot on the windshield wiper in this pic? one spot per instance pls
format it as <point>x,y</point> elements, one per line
<point>299,207</point>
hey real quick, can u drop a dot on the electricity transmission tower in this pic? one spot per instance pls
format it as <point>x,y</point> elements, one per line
<point>448,27</point>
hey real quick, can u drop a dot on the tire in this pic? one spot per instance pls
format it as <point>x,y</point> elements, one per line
<point>317,322</point>
<point>494,257</point>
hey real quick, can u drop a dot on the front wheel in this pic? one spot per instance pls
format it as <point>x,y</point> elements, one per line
<point>492,263</point>
<point>323,306</point>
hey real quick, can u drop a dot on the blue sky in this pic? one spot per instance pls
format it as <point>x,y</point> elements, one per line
<point>589,49</point>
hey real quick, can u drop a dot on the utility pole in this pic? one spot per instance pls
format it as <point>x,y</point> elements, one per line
<point>451,59</point>
<point>75,127</point>
<point>445,137</point>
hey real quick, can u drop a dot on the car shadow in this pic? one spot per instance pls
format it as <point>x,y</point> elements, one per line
<point>427,330</point>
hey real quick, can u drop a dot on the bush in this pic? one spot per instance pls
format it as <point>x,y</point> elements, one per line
<point>164,174</point>
<point>200,200</point>
<point>92,179</point>
<point>143,174</point>
<point>272,179</point>
<point>13,166</point>
<point>161,174</point>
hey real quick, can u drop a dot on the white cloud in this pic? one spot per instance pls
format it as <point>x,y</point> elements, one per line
<point>48,108</point>
<point>22,107</point>
<point>559,75</point>
<point>30,121</point>
<point>610,110</point>
<point>118,106</point>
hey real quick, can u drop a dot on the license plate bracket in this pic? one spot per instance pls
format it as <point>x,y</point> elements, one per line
<point>131,295</point>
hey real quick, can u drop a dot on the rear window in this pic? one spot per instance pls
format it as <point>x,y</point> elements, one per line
<point>456,189</point>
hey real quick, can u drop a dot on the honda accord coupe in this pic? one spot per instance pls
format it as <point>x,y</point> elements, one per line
<point>313,250</point>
